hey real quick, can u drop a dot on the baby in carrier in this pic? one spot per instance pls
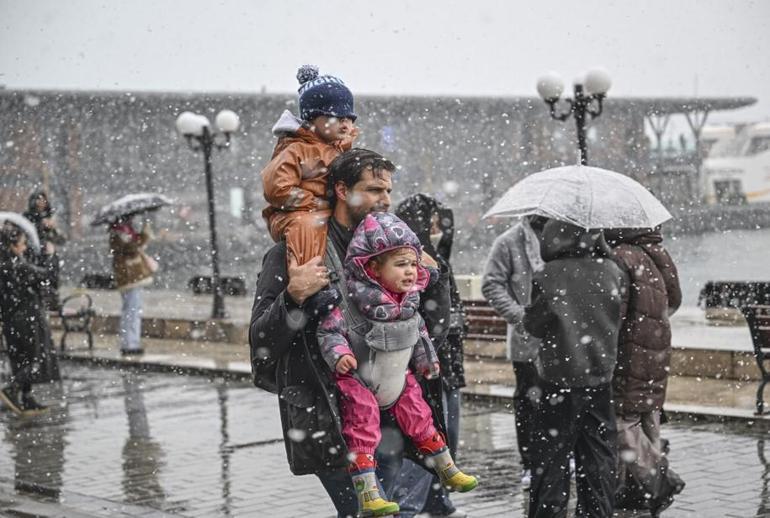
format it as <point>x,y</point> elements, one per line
<point>373,345</point>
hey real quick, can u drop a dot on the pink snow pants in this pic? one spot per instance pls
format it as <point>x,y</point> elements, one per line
<point>361,414</point>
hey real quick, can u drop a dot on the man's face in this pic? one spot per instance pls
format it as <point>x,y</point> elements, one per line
<point>370,194</point>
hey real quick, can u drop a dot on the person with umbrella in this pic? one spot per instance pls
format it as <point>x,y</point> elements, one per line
<point>133,270</point>
<point>576,310</point>
<point>24,325</point>
<point>578,303</point>
<point>132,267</point>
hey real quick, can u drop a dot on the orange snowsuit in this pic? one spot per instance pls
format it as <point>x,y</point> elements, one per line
<point>294,184</point>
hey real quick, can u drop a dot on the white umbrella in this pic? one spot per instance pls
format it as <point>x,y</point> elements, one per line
<point>25,225</point>
<point>588,197</point>
<point>130,204</point>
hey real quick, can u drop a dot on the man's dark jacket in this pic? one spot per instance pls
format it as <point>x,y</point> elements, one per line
<point>577,307</point>
<point>285,360</point>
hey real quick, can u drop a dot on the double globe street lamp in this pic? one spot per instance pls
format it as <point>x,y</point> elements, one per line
<point>588,98</point>
<point>197,132</point>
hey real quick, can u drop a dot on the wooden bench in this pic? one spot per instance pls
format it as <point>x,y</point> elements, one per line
<point>483,321</point>
<point>758,318</point>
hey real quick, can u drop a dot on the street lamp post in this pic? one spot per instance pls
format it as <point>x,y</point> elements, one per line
<point>588,98</point>
<point>196,131</point>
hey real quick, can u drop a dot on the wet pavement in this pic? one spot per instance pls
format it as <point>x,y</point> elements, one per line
<point>124,443</point>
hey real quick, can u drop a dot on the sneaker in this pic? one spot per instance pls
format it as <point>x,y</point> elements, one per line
<point>30,406</point>
<point>10,398</point>
<point>526,479</point>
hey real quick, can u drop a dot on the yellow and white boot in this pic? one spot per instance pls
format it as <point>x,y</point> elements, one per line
<point>370,502</point>
<point>448,473</point>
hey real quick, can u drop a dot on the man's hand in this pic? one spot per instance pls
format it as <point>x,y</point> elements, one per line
<point>48,222</point>
<point>306,280</point>
<point>345,363</point>
<point>49,249</point>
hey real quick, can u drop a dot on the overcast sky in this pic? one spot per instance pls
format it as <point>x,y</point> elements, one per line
<point>651,48</point>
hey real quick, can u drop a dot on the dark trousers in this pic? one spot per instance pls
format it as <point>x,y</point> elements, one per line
<point>524,406</point>
<point>580,420</point>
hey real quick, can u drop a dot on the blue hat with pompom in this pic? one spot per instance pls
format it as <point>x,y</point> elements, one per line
<point>323,95</point>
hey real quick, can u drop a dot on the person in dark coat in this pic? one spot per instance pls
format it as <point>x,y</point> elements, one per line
<point>418,490</point>
<point>25,327</point>
<point>577,308</point>
<point>41,214</point>
<point>645,480</point>
<point>284,350</point>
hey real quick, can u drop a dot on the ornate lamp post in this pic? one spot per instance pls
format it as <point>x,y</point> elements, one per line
<point>588,98</point>
<point>196,131</point>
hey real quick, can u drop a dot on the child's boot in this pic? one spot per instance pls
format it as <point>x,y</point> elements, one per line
<point>438,458</point>
<point>370,502</point>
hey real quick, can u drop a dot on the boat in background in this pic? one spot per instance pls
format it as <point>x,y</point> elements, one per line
<point>736,170</point>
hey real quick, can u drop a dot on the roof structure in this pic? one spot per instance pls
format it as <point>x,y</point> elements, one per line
<point>671,105</point>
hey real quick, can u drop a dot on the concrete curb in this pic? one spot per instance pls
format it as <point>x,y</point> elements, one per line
<point>691,414</point>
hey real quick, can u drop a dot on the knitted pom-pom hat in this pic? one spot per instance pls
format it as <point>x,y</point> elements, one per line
<point>323,95</point>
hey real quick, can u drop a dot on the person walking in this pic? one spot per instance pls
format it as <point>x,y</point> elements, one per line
<point>22,313</point>
<point>285,357</point>
<point>645,480</point>
<point>576,310</point>
<point>41,214</point>
<point>133,270</point>
<point>418,490</point>
<point>507,285</point>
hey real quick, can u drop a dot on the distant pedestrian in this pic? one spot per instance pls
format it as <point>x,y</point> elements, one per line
<point>433,223</point>
<point>507,284</point>
<point>294,182</point>
<point>377,368</point>
<point>133,270</point>
<point>645,480</point>
<point>25,326</point>
<point>576,310</point>
<point>41,214</point>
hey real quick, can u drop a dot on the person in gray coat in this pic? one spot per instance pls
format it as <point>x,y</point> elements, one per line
<point>507,285</point>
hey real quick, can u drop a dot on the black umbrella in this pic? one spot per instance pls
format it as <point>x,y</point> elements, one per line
<point>130,204</point>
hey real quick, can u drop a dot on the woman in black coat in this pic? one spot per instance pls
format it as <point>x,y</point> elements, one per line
<point>41,214</point>
<point>25,326</point>
<point>434,225</point>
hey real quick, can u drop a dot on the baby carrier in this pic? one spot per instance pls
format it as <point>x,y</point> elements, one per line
<point>383,349</point>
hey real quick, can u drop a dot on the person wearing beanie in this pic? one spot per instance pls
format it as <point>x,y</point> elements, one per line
<point>294,182</point>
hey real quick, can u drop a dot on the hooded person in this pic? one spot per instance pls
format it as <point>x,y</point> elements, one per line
<point>577,311</point>
<point>433,223</point>
<point>41,214</point>
<point>294,181</point>
<point>645,480</point>
<point>376,346</point>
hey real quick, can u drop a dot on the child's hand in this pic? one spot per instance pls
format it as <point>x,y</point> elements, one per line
<point>347,362</point>
<point>432,372</point>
